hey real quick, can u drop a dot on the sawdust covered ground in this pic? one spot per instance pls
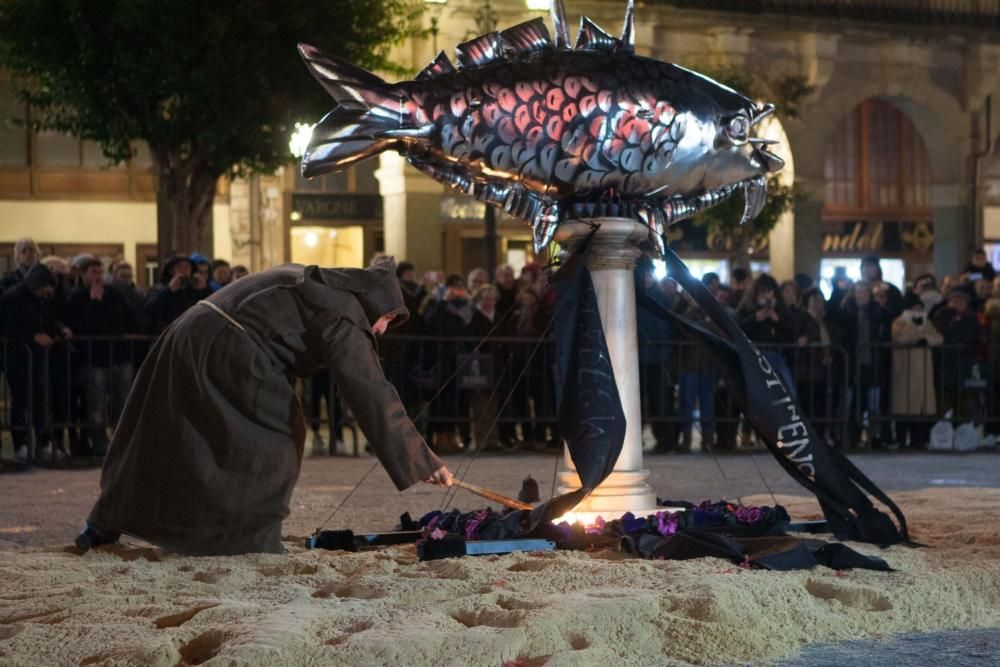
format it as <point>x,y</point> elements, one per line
<point>132,604</point>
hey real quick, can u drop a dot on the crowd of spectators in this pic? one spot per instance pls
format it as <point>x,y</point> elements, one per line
<point>879,364</point>
<point>872,363</point>
<point>498,392</point>
<point>69,361</point>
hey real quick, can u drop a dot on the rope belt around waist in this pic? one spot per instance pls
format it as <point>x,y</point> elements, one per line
<point>224,314</point>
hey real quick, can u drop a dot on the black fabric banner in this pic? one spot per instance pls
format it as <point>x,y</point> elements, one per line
<point>779,421</point>
<point>590,412</point>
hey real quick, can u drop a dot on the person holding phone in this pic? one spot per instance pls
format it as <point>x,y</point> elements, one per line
<point>179,290</point>
<point>979,267</point>
<point>766,321</point>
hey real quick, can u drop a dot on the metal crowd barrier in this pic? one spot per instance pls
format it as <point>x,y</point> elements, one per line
<point>502,393</point>
<point>17,398</point>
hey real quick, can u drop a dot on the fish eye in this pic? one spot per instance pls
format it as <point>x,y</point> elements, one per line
<point>737,128</point>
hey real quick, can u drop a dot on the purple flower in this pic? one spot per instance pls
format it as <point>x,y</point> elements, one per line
<point>472,524</point>
<point>597,527</point>
<point>748,514</point>
<point>667,522</point>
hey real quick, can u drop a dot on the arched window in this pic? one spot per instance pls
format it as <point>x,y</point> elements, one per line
<point>877,167</point>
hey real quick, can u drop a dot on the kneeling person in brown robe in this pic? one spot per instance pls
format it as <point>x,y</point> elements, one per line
<point>209,446</point>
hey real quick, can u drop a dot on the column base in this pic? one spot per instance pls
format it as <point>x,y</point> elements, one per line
<point>623,491</point>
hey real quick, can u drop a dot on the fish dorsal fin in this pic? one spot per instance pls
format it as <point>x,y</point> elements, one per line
<point>437,67</point>
<point>479,51</point>
<point>560,25</point>
<point>592,37</point>
<point>526,37</point>
<point>628,30</point>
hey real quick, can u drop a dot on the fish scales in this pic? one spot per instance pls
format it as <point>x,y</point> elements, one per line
<point>601,129</point>
<point>549,132</point>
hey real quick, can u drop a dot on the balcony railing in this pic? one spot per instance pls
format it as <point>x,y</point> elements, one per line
<point>981,15</point>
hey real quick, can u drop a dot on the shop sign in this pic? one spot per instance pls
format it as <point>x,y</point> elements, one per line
<point>687,236</point>
<point>337,206</point>
<point>855,237</point>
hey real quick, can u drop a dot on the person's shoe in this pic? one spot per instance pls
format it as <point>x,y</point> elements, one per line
<point>21,454</point>
<point>51,454</point>
<point>318,445</point>
<point>92,537</point>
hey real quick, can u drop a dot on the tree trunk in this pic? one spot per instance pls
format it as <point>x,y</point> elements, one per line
<point>185,191</point>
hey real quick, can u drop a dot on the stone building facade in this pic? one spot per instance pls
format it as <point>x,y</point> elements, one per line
<point>936,62</point>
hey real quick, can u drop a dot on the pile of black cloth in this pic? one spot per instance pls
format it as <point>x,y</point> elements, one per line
<point>753,537</point>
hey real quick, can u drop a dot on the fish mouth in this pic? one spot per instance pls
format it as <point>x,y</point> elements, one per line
<point>754,198</point>
<point>754,195</point>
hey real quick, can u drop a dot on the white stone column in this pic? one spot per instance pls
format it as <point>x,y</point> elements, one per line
<point>411,213</point>
<point>612,263</point>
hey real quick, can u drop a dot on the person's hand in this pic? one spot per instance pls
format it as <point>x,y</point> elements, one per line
<point>97,291</point>
<point>441,476</point>
<point>67,333</point>
<point>761,314</point>
<point>199,281</point>
<point>176,283</point>
<point>773,314</point>
<point>44,340</point>
<point>803,341</point>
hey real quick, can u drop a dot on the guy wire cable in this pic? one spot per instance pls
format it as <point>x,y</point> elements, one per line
<point>419,415</point>
<point>524,369</point>
<point>446,501</point>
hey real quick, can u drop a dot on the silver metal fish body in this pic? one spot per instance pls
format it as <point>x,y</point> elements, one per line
<point>551,133</point>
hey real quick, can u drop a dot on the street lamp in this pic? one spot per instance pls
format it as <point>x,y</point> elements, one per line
<point>435,6</point>
<point>486,20</point>
<point>299,141</point>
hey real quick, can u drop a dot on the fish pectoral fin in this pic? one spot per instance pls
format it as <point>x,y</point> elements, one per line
<point>592,37</point>
<point>418,132</point>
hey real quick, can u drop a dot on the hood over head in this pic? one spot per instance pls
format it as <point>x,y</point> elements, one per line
<point>375,287</point>
<point>39,276</point>
<point>168,268</point>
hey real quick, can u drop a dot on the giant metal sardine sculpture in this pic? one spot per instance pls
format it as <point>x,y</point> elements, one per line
<point>549,132</point>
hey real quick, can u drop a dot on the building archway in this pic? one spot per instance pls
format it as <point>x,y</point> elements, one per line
<point>877,195</point>
<point>940,123</point>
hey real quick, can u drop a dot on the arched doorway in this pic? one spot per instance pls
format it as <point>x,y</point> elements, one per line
<point>877,197</point>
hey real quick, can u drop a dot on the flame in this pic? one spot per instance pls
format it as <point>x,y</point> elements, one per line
<point>585,519</point>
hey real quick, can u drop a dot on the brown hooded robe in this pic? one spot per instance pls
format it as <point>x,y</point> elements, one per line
<point>209,447</point>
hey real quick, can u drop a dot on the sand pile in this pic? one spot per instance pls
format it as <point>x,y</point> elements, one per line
<point>132,604</point>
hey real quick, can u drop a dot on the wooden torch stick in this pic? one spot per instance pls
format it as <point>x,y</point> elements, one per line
<point>491,495</point>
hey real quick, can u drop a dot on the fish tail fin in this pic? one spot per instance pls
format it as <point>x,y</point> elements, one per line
<point>368,111</point>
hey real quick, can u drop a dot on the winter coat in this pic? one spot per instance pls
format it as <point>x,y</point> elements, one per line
<point>962,337</point>
<point>913,389</point>
<point>163,305</point>
<point>25,315</point>
<point>108,316</point>
<point>210,443</point>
